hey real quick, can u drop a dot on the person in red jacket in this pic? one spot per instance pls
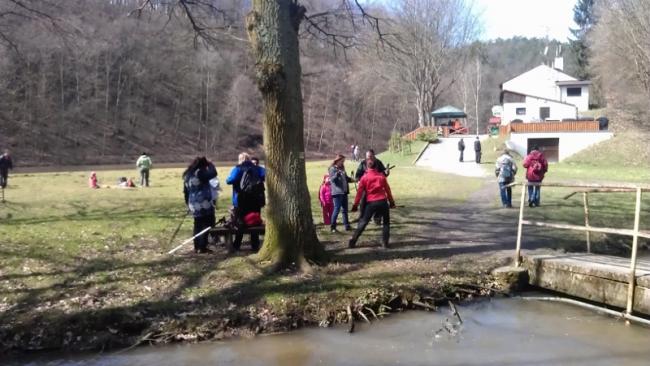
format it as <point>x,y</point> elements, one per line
<point>378,196</point>
<point>536,166</point>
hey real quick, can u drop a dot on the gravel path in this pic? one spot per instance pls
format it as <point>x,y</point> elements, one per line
<point>443,157</point>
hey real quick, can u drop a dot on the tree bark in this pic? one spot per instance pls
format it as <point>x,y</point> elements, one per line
<point>272,27</point>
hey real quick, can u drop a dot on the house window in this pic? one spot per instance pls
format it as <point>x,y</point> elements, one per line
<point>574,92</point>
<point>544,113</point>
<point>521,111</point>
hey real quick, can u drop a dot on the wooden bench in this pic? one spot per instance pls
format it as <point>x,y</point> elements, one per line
<point>228,233</point>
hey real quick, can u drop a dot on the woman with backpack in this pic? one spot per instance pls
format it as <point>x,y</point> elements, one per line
<point>506,169</point>
<point>198,198</point>
<point>536,166</point>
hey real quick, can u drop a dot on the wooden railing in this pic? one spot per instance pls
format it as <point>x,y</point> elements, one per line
<point>635,233</point>
<point>414,134</point>
<point>539,127</point>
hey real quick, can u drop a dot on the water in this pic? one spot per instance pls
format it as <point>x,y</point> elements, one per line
<point>499,332</point>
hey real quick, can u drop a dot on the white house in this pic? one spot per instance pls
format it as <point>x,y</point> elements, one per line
<point>543,93</point>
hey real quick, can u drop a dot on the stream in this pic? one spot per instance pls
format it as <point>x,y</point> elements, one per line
<point>493,332</point>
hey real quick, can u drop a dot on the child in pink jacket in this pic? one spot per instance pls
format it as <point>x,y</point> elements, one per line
<point>325,197</point>
<point>92,181</point>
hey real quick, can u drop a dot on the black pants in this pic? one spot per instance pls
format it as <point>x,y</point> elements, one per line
<point>478,157</point>
<point>144,177</point>
<point>461,155</point>
<point>201,223</point>
<point>4,175</point>
<point>372,208</point>
<point>362,206</point>
<point>255,241</point>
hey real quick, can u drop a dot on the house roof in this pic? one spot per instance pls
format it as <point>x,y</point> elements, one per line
<point>573,82</point>
<point>561,74</point>
<point>448,112</point>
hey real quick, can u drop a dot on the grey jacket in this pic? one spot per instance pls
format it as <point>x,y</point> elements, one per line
<point>339,181</point>
<point>501,161</point>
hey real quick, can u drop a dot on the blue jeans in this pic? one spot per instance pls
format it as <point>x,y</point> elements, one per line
<point>340,204</point>
<point>534,194</point>
<point>506,194</point>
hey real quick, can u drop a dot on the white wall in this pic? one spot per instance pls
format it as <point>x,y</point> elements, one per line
<point>570,142</point>
<point>558,111</point>
<point>582,102</point>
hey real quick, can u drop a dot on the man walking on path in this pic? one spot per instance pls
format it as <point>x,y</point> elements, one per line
<point>144,165</point>
<point>374,186</point>
<point>506,169</point>
<point>461,148</point>
<point>5,165</point>
<point>477,150</point>
<point>536,166</point>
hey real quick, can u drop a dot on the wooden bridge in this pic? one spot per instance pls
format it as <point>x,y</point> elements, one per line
<point>610,280</point>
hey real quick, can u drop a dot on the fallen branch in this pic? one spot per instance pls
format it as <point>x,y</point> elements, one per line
<point>363,316</point>
<point>455,311</point>
<point>423,305</point>
<point>350,320</point>
<point>139,342</point>
<point>371,312</point>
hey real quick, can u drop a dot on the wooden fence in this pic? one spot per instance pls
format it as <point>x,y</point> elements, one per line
<point>413,135</point>
<point>540,127</point>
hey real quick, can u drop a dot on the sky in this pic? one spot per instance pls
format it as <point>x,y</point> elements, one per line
<point>527,18</point>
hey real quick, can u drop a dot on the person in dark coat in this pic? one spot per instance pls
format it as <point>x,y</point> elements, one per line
<point>361,171</point>
<point>477,150</point>
<point>340,186</point>
<point>5,164</point>
<point>198,198</point>
<point>461,148</point>
<point>243,204</point>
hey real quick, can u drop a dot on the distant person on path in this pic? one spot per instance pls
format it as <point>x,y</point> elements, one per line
<point>477,150</point>
<point>461,148</point>
<point>248,195</point>
<point>506,169</point>
<point>144,165</point>
<point>361,171</point>
<point>536,166</point>
<point>5,164</point>
<point>355,152</point>
<point>374,186</point>
<point>92,181</point>
<point>325,198</point>
<point>339,181</point>
<point>198,198</point>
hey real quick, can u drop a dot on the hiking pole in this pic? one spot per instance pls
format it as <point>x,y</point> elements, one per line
<point>189,240</point>
<point>178,228</point>
<point>3,194</point>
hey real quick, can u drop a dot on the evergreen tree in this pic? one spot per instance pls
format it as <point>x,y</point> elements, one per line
<point>584,17</point>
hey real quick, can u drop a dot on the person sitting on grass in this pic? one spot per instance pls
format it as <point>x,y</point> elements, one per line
<point>379,199</point>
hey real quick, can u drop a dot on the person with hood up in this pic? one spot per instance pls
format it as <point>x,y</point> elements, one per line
<point>536,166</point>
<point>379,199</point>
<point>198,198</point>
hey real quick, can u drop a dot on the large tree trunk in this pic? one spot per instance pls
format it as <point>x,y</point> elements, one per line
<point>290,234</point>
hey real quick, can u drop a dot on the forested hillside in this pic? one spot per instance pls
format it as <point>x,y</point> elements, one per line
<point>88,81</point>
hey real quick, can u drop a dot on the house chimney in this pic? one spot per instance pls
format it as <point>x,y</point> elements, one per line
<point>559,63</point>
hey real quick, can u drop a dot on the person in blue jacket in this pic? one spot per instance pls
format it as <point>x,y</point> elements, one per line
<point>198,197</point>
<point>243,202</point>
